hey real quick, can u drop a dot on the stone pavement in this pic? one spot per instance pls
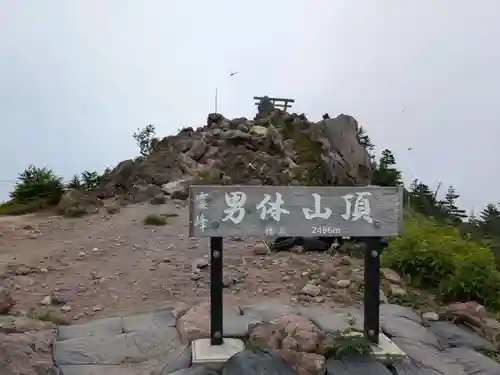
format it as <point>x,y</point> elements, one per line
<point>157,343</point>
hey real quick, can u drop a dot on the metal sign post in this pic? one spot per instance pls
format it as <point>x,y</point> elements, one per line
<point>270,211</point>
<point>371,325</point>
<point>216,292</point>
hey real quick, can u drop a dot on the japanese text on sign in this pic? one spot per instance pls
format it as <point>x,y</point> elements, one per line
<point>292,210</point>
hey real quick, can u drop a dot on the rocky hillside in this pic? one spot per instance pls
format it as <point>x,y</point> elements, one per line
<point>275,148</point>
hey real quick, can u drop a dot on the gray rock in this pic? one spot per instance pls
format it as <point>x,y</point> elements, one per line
<point>236,135</point>
<point>158,199</point>
<point>397,291</point>
<point>356,365</point>
<point>408,330</point>
<point>102,327</point>
<point>237,325</point>
<point>343,283</point>
<point>242,128</point>
<point>149,322</point>
<point>198,370</point>
<point>474,363</point>
<point>410,367</point>
<point>177,189</point>
<point>333,320</point>
<point>182,361</point>
<point>346,161</point>
<point>450,335</point>
<point>259,130</point>
<point>238,121</point>
<point>430,316</point>
<point>142,193</point>
<point>389,310</point>
<point>276,138</point>
<point>143,368</point>
<point>256,363</point>
<point>267,312</point>
<point>311,290</point>
<point>429,358</point>
<point>114,350</point>
<point>198,150</point>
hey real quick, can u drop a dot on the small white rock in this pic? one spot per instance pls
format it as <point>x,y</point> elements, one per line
<point>430,316</point>
<point>311,290</point>
<point>343,283</point>
<point>47,300</point>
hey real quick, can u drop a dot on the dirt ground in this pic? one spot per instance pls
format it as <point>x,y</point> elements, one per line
<point>107,265</point>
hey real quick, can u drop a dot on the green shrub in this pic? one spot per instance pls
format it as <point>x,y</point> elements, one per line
<point>15,208</point>
<point>346,344</point>
<point>475,277</point>
<point>37,184</point>
<point>155,220</point>
<point>435,256</point>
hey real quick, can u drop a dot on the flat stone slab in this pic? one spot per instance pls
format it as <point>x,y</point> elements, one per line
<point>143,368</point>
<point>267,312</point>
<point>408,330</point>
<point>101,327</point>
<point>148,322</point>
<point>356,365</point>
<point>114,350</point>
<point>474,362</point>
<point>389,311</point>
<point>451,335</point>
<point>149,344</point>
<point>256,363</point>
<point>333,320</point>
<point>115,326</point>
<point>429,357</point>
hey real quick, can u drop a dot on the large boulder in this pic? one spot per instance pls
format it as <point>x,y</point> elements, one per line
<point>346,160</point>
<point>275,148</point>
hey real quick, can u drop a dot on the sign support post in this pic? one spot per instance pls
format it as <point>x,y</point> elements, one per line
<point>371,324</point>
<point>216,292</point>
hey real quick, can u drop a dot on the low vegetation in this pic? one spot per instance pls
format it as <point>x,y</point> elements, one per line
<point>155,220</point>
<point>347,344</point>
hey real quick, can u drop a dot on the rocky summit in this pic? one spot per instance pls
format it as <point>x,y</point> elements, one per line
<point>275,148</point>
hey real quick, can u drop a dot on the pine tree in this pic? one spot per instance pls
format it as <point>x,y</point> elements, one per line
<point>422,199</point>
<point>450,208</point>
<point>386,174</point>
<point>75,182</point>
<point>489,221</point>
<point>366,142</point>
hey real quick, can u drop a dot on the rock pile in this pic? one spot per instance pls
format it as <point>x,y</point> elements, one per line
<point>275,148</point>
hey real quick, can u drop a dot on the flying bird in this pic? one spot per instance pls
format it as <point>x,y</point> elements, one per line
<point>410,148</point>
<point>233,73</point>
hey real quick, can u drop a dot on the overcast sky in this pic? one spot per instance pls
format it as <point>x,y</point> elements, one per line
<point>78,77</point>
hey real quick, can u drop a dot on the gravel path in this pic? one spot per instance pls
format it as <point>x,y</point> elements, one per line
<point>107,265</point>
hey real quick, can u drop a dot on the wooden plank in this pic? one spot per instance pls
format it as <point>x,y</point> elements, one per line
<point>279,105</point>
<point>306,211</point>
<point>275,99</point>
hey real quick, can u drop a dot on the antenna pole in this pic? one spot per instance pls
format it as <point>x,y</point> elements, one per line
<point>216,92</point>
